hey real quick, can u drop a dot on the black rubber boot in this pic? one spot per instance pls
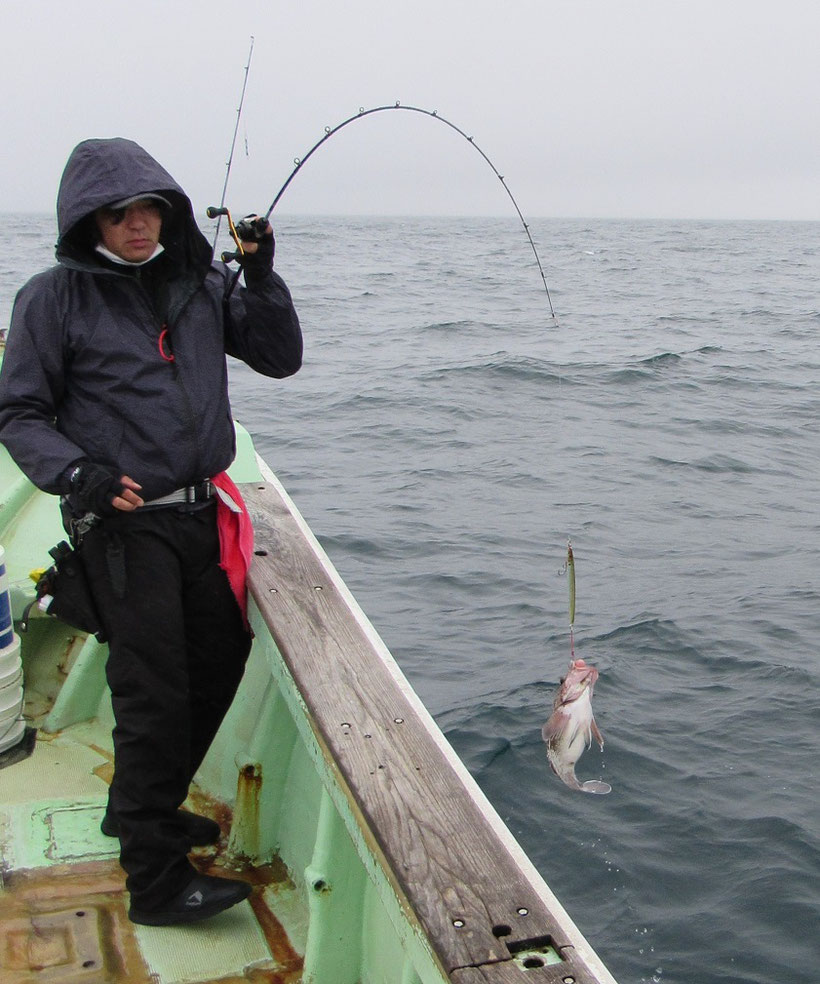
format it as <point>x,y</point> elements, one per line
<point>202,897</point>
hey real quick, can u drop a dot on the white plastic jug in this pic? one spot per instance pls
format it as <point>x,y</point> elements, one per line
<point>12,725</point>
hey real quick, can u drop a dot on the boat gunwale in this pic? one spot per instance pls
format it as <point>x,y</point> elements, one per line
<point>299,612</point>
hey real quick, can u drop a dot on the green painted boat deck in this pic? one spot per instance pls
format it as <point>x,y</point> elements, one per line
<point>63,902</point>
<point>63,905</point>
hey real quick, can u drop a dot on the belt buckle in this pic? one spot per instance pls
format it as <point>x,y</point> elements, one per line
<point>200,492</point>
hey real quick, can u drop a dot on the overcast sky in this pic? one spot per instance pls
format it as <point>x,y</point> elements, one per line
<point>644,108</point>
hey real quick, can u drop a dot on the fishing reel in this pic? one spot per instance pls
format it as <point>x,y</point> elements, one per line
<point>250,229</point>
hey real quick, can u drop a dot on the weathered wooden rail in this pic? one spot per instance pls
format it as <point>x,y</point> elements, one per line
<point>426,836</point>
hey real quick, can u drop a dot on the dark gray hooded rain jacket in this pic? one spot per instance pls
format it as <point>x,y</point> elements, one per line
<point>84,375</point>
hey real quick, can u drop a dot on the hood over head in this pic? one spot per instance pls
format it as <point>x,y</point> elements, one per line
<point>110,171</point>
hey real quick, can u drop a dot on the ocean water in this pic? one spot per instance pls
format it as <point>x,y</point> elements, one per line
<point>446,437</point>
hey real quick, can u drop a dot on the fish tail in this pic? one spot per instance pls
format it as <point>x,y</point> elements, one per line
<point>566,775</point>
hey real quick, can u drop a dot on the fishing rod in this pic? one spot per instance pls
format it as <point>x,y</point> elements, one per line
<point>433,114</point>
<point>219,212</point>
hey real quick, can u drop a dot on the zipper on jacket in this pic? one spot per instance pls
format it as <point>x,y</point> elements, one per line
<point>166,351</point>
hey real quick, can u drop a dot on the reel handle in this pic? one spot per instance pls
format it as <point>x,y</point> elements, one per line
<point>212,211</point>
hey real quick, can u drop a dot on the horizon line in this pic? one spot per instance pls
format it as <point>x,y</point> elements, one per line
<point>43,213</point>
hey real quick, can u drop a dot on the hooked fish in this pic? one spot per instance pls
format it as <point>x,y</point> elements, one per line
<point>571,727</point>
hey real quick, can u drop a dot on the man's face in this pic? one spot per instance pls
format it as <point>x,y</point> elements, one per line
<point>131,233</point>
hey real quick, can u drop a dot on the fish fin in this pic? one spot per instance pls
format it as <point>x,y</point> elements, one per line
<point>554,726</point>
<point>595,786</point>
<point>596,732</point>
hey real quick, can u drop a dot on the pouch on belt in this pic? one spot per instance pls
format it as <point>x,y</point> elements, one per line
<point>67,585</point>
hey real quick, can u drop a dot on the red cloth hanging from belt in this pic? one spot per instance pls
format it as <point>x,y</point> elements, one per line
<point>235,538</point>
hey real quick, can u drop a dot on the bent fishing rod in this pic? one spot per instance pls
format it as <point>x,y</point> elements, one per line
<point>300,162</point>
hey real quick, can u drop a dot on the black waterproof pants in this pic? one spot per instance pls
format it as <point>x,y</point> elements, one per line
<point>178,648</point>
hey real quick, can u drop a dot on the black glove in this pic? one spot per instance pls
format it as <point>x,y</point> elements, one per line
<point>252,229</point>
<point>92,487</point>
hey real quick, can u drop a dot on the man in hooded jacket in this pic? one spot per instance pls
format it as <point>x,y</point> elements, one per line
<point>114,395</point>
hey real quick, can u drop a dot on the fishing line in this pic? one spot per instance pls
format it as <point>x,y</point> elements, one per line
<point>571,577</point>
<point>433,114</point>
<point>233,144</point>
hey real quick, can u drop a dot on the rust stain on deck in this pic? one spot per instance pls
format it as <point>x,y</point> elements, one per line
<point>68,924</point>
<point>206,806</point>
<point>248,789</point>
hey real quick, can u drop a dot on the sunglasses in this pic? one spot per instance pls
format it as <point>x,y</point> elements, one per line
<point>114,216</point>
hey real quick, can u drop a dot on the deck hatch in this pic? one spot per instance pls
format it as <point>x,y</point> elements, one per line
<point>74,833</point>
